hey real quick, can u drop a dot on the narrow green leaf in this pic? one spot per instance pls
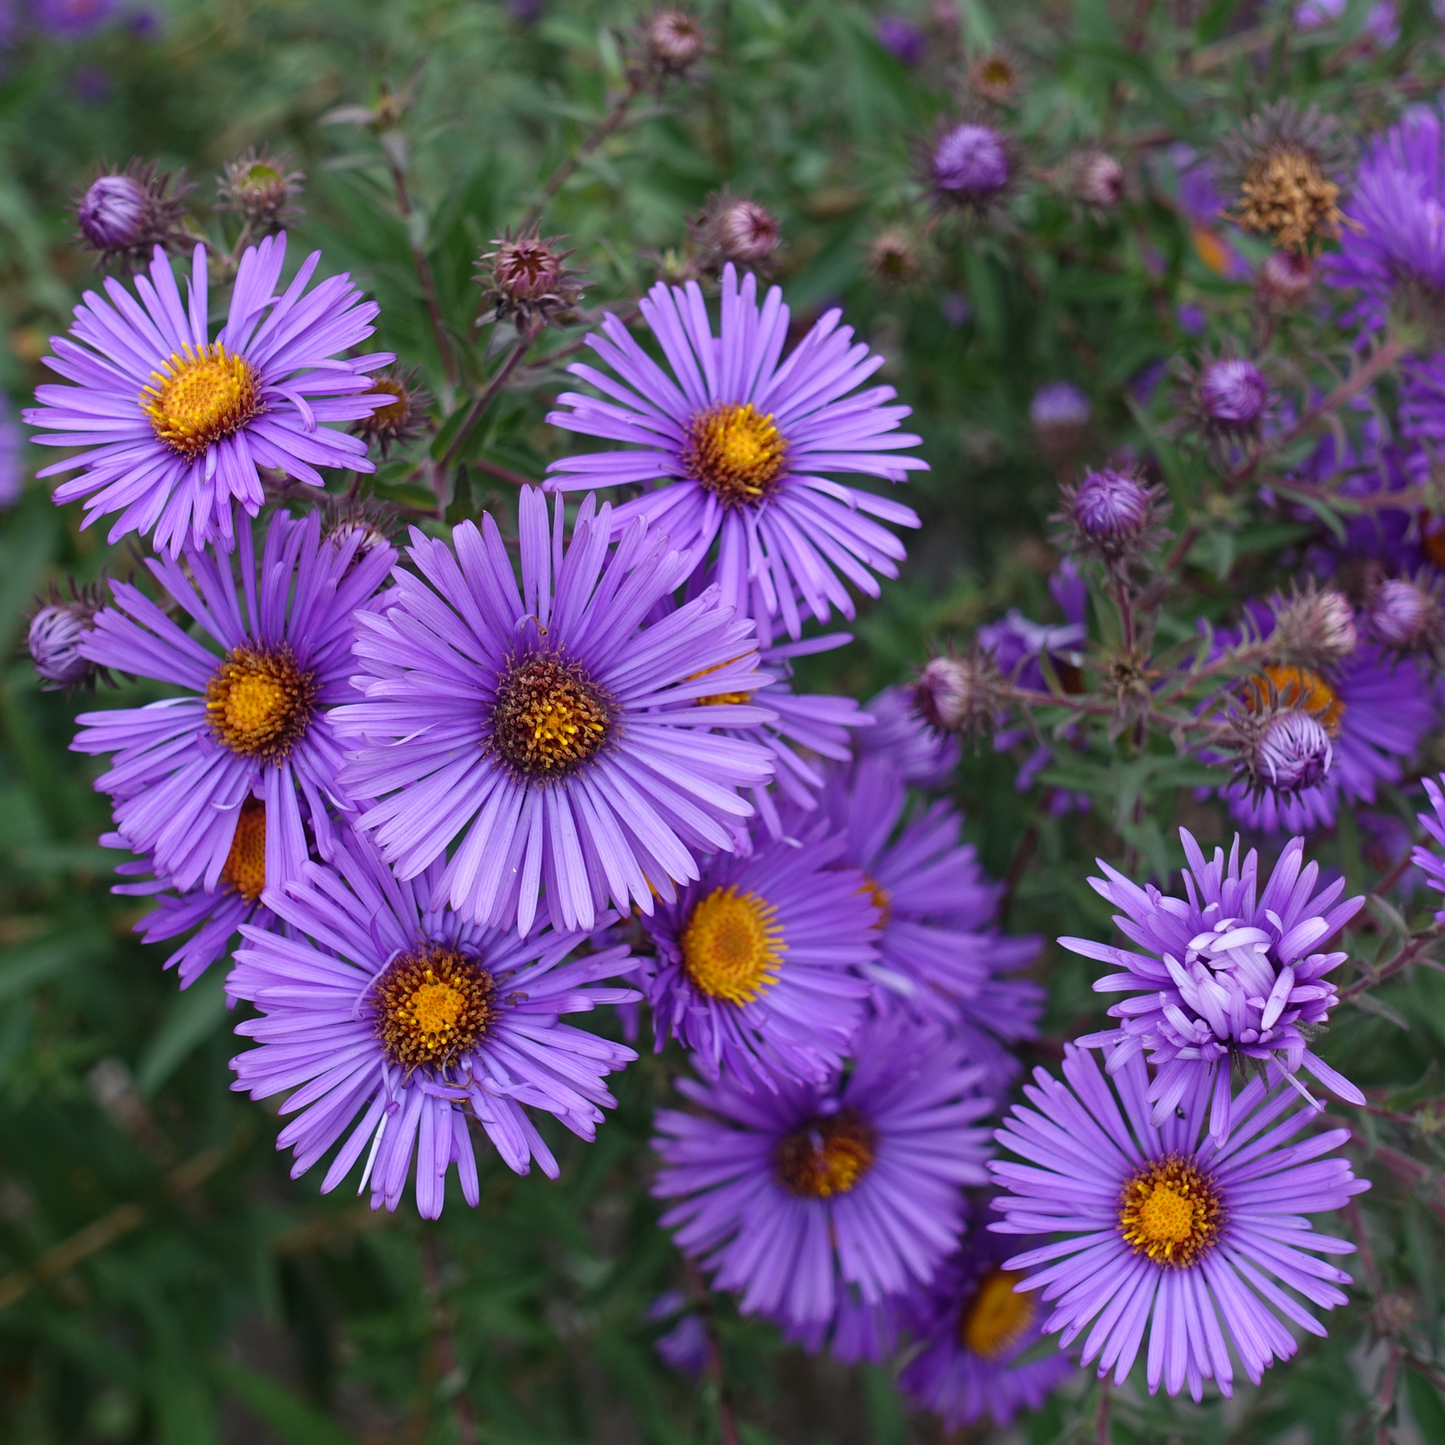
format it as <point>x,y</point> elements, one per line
<point>192,1018</point>
<point>291,1417</point>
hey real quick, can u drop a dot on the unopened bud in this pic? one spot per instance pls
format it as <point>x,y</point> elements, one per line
<point>674,40</point>
<point>1097,179</point>
<point>970,163</point>
<point>1111,515</point>
<point>527,279</point>
<point>1293,754</point>
<point>733,228</point>
<point>370,522</point>
<point>958,694</point>
<point>258,187</point>
<point>57,631</point>
<point>1285,278</point>
<point>1233,393</point>
<point>1406,617</point>
<point>1314,628</point>
<point>125,215</point>
<point>112,213</point>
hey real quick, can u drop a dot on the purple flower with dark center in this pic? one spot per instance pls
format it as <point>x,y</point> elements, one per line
<point>902,38</point>
<point>545,730</point>
<point>1224,975</point>
<point>255,719</point>
<point>901,737</point>
<point>791,1197</point>
<point>1167,1231</point>
<point>975,1331</point>
<point>176,425</point>
<point>759,963</point>
<point>970,163</point>
<point>383,1006</point>
<point>112,213</point>
<point>935,909</point>
<point>1233,392</point>
<point>742,443</point>
<point>1398,235</point>
<point>215,916</point>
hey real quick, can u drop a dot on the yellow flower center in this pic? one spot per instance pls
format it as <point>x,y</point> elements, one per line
<point>432,1007</point>
<point>245,866</point>
<point>881,899</point>
<point>1170,1211</point>
<point>732,947</point>
<point>200,398</point>
<point>1286,196</point>
<point>549,718</point>
<point>995,1319</point>
<point>392,416</point>
<point>259,702</point>
<point>1298,687</point>
<point>829,1155</point>
<point>735,452</point>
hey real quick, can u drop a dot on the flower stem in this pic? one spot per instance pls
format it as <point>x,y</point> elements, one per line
<point>484,400</point>
<point>726,1420</point>
<point>423,271</point>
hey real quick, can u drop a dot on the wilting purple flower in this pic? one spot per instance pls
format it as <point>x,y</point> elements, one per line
<point>974,1330</point>
<point>1169,1232</point>
<point>1233,392</point>
<point>1399,236</point>
<point>903,38</point>
<point>969,163</point>
<point>742,442</point>
<point>759,963</point>
<point>935,908</point>
<point>176,425</point>
<point>545,730</point>
<point>903,739</point>
<point>418,1021</point>
<point>1225,974</point>
<point>255,720</point>
<point>792,1197</point>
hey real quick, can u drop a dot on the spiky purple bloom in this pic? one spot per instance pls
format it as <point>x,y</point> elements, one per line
<point>253,720</point>
<point>1224,975</point>
<point>1167,1231</point>
<point>112,212</point>
<point>1233,392</point>
<point>548,732</point>
<point>759,964</point>
<point>792,1197</point>
<point>355,1011</point>
<point>935,908</point>
<point>973,1336</point>
<point>176,425</point>
<point>900,736</point>
<point>1397,239</point>
<point>742,443</point>
<point>970,162</point>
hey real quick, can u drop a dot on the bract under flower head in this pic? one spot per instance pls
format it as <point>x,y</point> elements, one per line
<point>1226,974</point>
<point>259,188</point>
<point>418,1022</point>
<point>759,963</point>
<point>791,1197</point>
<point>255,718</point>
<point>544,729</point>
<point>176,424</point>
<point>1168,1231</point>
<point>741,441</point>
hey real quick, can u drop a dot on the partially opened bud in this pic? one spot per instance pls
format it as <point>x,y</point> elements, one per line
<point>733,228</point>
<point>1097,179</point>
<point>959,694</point>
<point>1111,515</point>
<point>125,215</point>
<point>527,279</point>
<point>673,40</point>
<point>112,213</point>
<point>1315,627</point>
<point>1406,617</point>
<point>57,631</point>
<point>1293,754</point>
<point>1233,392</point>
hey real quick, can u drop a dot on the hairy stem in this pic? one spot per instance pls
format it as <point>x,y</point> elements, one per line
<point>485,399</point>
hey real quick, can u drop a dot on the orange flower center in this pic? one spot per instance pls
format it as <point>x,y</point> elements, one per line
<point>200,398</point>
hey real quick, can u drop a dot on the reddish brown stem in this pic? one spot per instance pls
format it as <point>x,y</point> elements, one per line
<point>608,126</point>
<point>424,274</point>
<point>474,415</point>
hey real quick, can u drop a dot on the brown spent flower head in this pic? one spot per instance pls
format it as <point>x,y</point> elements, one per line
<point>400,420</point>
<point>733,228</point>
<point>124,215</point>
<point>995,76</point>
<point>673,41</point>
<point>1313,627</point>
<point>895,258</point>
<point>527,280</point>
<point>1284,164</point>
<point>259,188</point>
<point>963,695</point>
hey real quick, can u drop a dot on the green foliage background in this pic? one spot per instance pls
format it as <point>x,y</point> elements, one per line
<point>161,1277</point>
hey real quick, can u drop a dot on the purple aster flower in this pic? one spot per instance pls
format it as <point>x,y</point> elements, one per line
<point>934,907</point>
<point>1429,861</point>
<point>12,445</point>
<point>741,443</point>
<point>791,1197</point>
<point>253,720</point>
<point>419,1022</point>
<point>759,962</point>
<point>855,1331</point>
<point>1225,975</point>
<point>1422,407</point>
<point>72,18</point>
<point>902,38</point>
<point>1169,1232</point>
<point>1398,238</point>
<point>974,1330</point>
<point>684,1347</point>
<point>969,164</point>
<point>900,736</point>
<point>546,729</point>
<point>176,425</point>
<point>214,916</point>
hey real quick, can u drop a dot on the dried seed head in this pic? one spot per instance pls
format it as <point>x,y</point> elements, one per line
<point>894,258</point>
<point>959,694</point>
<point>1314,627</point>
<point>124,215</point>
<point>259,188</point>
<point>527,280</point>
<point>995,77</point>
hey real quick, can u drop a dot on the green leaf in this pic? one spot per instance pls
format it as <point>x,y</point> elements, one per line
<point>192,1018</point>
<point>1426,1406</point>
<point>1369,1003</point>
<point>30,964</point>
<point>1427,1086</point>
<point>292,1418</point>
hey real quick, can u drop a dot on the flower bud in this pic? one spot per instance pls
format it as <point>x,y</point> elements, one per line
<point>893,257</point>
<point>673,40</point>
<point>1292,755</point>
<point>1406,617</point>
<point>1097,179</point>
<point>733,228</point>
<point>1111,515</point>
<point>527,280</point>
<point>995,77</point>
<point>374,523</point>
<point>57,631</point>
<point>970,163</point>
<point>1315,627</point>
<point>902,38</point>
<point>1233,393</point>
<point>112,212</point>
<point>1060,414</point>
<point>1285,278</point>
<point>258,188</point>
<point>958,694</point>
